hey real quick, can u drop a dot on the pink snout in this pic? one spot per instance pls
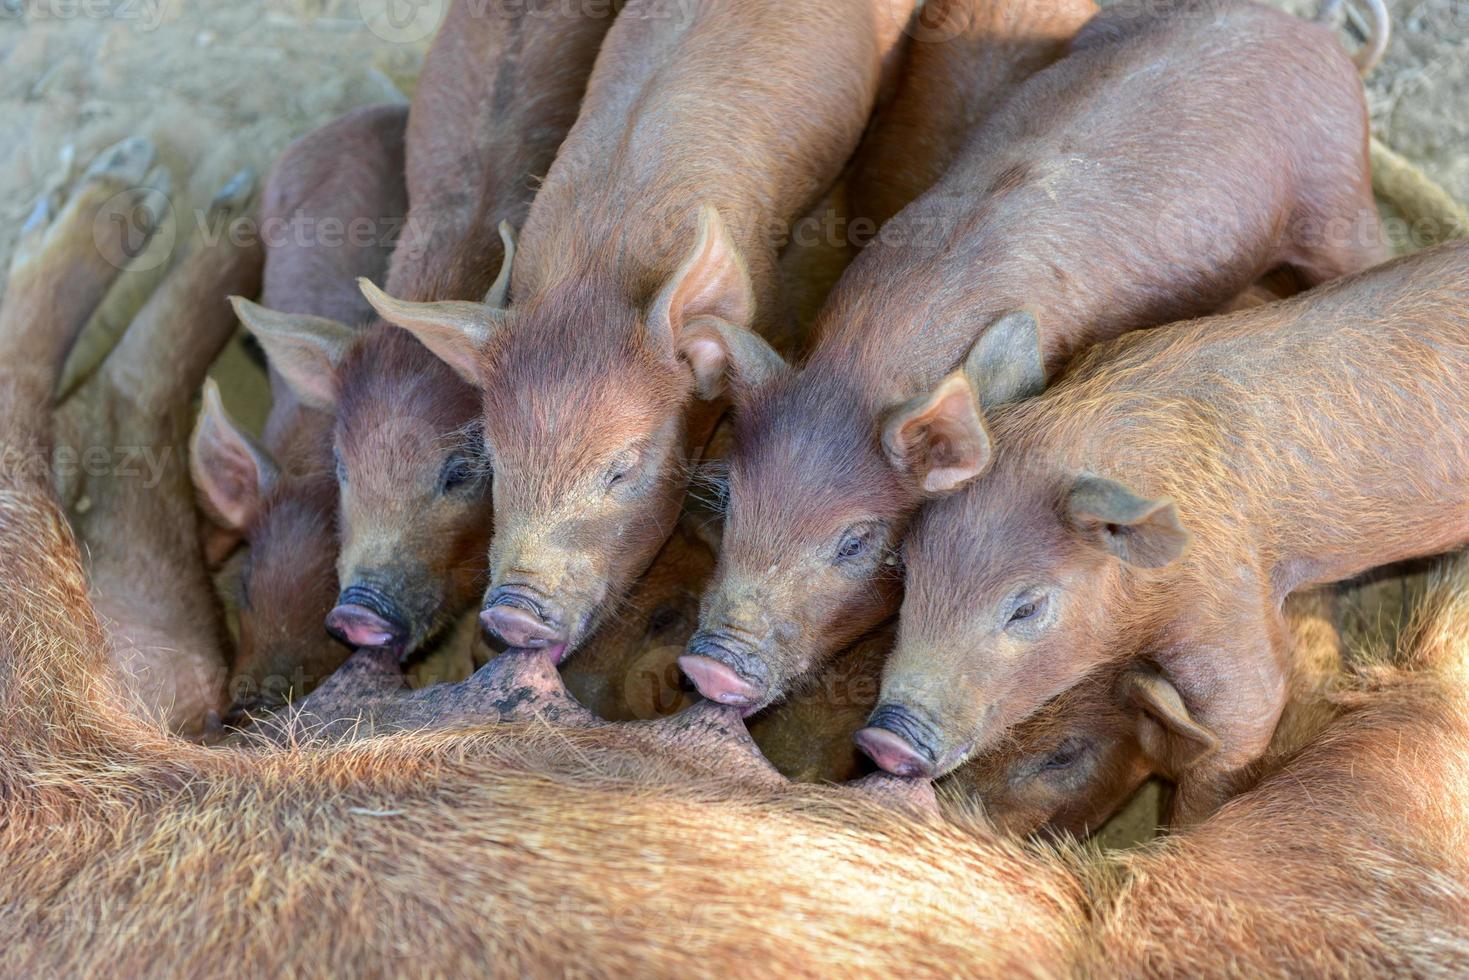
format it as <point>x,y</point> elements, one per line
<point>519,627</point>
<point>718,682</point>
<point>893,753</point>
<point>361,627</point>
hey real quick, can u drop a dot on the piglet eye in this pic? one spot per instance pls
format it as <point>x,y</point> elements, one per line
<point>622,471</point>
<point>1065,756</point>
<point>458,470</point>
<point>1022,612</point>
<point>857,542</point>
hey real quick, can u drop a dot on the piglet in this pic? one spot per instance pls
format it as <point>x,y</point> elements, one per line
<point>326,212</point>
<point>708,128</point>
<point>1136,181</point>
<point>1161,500</point>
<point>499,90</point>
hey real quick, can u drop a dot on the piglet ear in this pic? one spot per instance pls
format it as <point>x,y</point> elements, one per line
<point>499,295</point>
<point>719,353</point>
<point>454,330</point>
<point>710,286</point>
<point>304,349</point>
<point>939,438</point>
<point>1142,532</point>
<point>1168,734</point>
<point>232,473</point>
<point>1005,363</point>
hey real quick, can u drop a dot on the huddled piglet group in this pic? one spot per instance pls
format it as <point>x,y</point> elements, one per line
<point>1116,381</point>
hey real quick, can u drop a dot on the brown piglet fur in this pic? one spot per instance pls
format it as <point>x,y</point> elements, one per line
<point>1074,763</point>
<point>1121,187</point>
<point>1158,503</point>
<point>1352,859</point>
<point>708,128</point>
<point>280,493</point>
<point>538,851</point>
<point>547,851</point>
<point>499,90</point>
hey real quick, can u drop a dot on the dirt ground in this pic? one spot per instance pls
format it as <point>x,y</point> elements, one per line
<point>221,84</point>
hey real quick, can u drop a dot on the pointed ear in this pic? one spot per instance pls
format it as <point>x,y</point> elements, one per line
<point>940,438</point>
<point>712,282</point>
<point>454,330</point>
<point>499,295</point>
<point>1142,532</point>
<point>231,471</point>
<point>1169,736</point>
<point>720,352</point>
<point>1005,363</point>
<point>304,349</point>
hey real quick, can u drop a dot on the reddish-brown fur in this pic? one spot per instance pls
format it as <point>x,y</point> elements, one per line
<point>347,174</point>
<point>104,819</point>
<point>499,91</point>
<point>708,128</point>
<point>1351,860</point>
<point>1075,762</point>
<point>1122,187</point>
<point>120,465</point>
<point>964,58</point>
<point>545,851</point>
<point>1298,443</point>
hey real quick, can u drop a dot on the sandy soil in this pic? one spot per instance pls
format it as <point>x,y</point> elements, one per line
<point>220,84</point>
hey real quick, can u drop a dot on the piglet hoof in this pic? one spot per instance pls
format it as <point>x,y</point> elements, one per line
<point>234,197</point>
<point>914,795</point>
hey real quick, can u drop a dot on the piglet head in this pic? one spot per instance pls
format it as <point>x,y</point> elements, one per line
<point>411,473</point>
<point>1076,761</point>
<point>286,580</point>
<point>1016,589</point>
<point>588,394</point>
<point>822,483</point>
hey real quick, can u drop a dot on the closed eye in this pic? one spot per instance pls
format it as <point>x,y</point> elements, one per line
<point>458,470</point>
<point>1027,609</point>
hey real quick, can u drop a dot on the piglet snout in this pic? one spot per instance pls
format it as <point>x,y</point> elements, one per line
<point>718,682</point>
<point>519,621</point>
<point>723,670</point>
<point>361,627</point>
<point>897,741</point>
